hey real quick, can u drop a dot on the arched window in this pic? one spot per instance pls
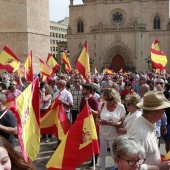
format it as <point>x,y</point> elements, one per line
<point>80,26</point>
<point>157,23</point>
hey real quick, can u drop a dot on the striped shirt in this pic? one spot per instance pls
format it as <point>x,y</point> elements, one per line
<point>77,95</point>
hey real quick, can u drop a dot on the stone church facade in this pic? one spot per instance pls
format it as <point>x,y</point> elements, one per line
<point>119,32</point>
<point>25,26</point>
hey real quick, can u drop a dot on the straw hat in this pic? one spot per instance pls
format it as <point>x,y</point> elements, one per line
<point>153,100</point>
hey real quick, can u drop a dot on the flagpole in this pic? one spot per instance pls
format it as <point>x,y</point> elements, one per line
<point>94,163</point>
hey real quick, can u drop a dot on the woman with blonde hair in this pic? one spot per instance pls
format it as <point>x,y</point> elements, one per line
<point>134,112</point>
<point>109,119</point>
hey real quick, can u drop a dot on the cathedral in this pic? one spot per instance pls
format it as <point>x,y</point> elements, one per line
<point>119,32</point>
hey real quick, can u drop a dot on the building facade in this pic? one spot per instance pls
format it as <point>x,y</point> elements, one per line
<point>58,35</point>
<point>22,28</point>
<point>119,32</point>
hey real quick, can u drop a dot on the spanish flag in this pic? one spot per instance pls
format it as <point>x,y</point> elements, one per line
<point>27,68</point>
<point>46,71</point>
<point>83,65</point>
<point>19,73</point>
<point>159,59</point>
<point>108,71</point>
<point>66,61</point>
<point>79,145</point>
<point>28,117</point>
<point>8,60</point>
<point>55,121</point>
<point>52,63</point>
<point>9,102</point>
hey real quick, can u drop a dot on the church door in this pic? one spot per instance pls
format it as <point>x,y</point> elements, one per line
<point>118,63</point>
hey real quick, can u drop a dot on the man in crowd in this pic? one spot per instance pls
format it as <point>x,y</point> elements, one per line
<point>13,93</point>
<point>93,103</point>
<point>76,92</point>
<point>136,87</point>
<point>107,82</point>
<point>143,128</point>
<point>8,122</point>
<point>65,97</point>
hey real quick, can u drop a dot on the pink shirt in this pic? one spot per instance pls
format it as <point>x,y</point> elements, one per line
<point>10,94</point>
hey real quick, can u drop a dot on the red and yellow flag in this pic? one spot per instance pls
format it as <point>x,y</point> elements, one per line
<point>28,117</point>
<point>79,144</point>
<point>159,59</point>
<point>83,65</point>
<point>27,68</point>
<point>46,71</point>
<point>8,60</point>
<point>66,61</point>
<point>19,73</point>
<point>52,63</point>
<point>107,71</point>
<point>55,121</point>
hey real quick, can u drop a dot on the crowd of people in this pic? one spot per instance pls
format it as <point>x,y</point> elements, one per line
<point>131,112</point>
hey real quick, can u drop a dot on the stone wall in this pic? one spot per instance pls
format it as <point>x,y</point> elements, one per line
<point>25,26</point>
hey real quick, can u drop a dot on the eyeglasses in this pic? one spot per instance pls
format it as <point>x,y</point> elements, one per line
<point>128,85</point>
<point>109,99</point>
<point>133,162</point>
<point>159,83</point>
<point>128,104</point>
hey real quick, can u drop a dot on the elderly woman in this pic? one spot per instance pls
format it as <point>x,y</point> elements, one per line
<point>128,153</point>
<point>109,119</point>
<point>134,112</point>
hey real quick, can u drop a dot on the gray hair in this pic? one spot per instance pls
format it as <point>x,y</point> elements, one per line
<point>124,145</point>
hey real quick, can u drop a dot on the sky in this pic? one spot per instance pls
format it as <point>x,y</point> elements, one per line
<point>59,9</point>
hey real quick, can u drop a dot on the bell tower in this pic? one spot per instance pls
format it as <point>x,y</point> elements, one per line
<point>71,2</point>
<point>25,26</point>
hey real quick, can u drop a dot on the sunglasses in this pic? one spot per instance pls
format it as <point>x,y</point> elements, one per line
<point>109,99</point>
<point>13,84</point>
<point>159,83</point>
<point>128,104</point>
<point>128,85</point>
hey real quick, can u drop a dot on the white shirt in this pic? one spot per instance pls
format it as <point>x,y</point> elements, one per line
<point>144,131</point>
<point>66,96</point>
<point>110,132</point>
<point>130,118</point>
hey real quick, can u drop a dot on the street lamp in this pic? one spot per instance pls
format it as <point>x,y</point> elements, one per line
<point>148,61</point>
<point>61,55</point>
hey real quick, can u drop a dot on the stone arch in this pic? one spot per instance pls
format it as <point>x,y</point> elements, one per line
<point>79,18</point>
<point>157,14</point>
<point>121,51</point>
<point>160,16</point>
<point>77,21</point>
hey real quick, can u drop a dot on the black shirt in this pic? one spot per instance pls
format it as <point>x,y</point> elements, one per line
<point>8,120</point>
